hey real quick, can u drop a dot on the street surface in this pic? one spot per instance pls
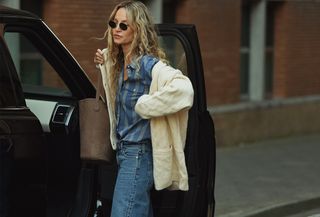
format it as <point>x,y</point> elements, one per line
<point>275,178</point>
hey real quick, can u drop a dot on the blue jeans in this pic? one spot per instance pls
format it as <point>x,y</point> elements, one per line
<point>131,197</point>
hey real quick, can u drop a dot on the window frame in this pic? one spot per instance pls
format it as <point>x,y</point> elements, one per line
<point>38,54</point>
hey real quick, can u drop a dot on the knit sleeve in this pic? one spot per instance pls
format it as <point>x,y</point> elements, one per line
<point>174,94</point>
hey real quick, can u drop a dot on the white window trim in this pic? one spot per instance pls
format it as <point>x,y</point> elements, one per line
<point>257,51</point>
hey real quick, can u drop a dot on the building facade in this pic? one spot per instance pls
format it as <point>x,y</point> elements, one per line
<point>256,53</point>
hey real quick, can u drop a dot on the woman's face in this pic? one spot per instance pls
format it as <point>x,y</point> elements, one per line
<point>122,37</point>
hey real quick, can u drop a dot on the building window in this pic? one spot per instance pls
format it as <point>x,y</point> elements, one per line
<point>266,66</point>
<point>31,63</point>
<point>169,11</point>
<point>244,50</point>
<point>269,49</point>
<point>33,6</point>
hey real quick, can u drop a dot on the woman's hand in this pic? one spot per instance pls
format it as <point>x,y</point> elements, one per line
<point>98,58</point>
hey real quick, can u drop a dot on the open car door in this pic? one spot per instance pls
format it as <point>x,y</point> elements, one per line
<point>181,45</point>
<point>22,152</point>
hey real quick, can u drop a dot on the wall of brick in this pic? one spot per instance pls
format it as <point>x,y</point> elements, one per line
<point>76,23</point>
<point>267,121</point>
<point>218,22</point>
<point>218,26</point>
<point>297,49</point>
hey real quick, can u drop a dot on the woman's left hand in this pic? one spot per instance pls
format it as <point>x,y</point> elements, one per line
<point>98,58</point>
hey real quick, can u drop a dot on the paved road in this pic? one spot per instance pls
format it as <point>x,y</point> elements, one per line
<point>309,213</point>
<point>271,178</point>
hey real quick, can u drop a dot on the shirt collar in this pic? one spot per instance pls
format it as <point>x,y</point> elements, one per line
<point>133,65</point>
<point>133,70</point>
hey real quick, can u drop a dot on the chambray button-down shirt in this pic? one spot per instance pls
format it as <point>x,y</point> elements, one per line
<point>130,126</point>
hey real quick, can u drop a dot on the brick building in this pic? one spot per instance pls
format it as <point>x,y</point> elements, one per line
<point>256,53</point>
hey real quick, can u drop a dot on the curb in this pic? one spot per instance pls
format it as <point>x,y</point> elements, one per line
<point>282,210</point>
<point>287,209</point>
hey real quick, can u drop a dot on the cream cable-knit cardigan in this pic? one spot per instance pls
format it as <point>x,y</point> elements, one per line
<point>167,104</point>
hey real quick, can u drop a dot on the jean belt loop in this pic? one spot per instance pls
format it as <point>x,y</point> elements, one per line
<point>147,145</point>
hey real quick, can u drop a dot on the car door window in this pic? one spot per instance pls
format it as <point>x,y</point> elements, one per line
<point>10,94</point>
<point>175,52</point>
<point>36,74</point>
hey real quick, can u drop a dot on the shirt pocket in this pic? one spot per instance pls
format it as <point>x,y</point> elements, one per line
<point>132,95</point>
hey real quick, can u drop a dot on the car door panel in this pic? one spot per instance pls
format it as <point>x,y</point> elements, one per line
<point>27,140</point>
<point>200,143</point>
<point>60,133</point>
<point>23,156</point>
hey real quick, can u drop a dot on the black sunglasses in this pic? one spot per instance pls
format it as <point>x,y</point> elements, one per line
<point>122,26</point>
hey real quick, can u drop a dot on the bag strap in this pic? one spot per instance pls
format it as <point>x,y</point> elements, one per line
<point>98,91</point>
<point>98,86</point>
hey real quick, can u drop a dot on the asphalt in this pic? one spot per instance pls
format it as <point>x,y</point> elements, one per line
<point>275,178</point>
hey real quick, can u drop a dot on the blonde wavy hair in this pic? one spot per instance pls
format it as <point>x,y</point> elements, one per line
<point>145,41</point>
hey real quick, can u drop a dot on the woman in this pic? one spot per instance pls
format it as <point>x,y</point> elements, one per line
<point>148,104</point>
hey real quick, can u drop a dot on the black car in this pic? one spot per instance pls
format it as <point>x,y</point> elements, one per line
<point>41,173</point>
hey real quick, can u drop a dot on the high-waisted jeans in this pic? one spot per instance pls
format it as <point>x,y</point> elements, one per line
<point>131,196</point>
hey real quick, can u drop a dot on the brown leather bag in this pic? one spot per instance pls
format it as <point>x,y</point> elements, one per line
<point>94,129</point>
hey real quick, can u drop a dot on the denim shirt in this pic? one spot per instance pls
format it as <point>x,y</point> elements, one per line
<point>130,126</point>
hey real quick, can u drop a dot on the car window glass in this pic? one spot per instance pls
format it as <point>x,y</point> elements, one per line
<point>36,74</point>
<point>175,52</point>
<point>8,93</point>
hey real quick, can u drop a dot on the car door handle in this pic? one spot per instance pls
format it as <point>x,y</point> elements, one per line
<point>4,140</point>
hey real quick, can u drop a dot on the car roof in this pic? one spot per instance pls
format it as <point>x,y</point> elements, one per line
<point>7,13</point>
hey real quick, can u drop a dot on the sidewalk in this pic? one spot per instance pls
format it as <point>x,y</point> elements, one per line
<point>271,178</point>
